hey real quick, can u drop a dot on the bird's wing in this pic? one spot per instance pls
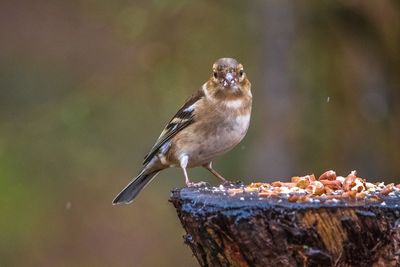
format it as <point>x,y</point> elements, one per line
<point>183,118</point>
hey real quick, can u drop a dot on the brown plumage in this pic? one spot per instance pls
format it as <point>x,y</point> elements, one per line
<point>211,122</point>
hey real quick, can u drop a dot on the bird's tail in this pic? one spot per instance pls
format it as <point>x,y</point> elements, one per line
<point>128,194</point>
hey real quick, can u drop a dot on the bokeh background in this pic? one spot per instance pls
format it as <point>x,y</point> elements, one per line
<point>86,87</point>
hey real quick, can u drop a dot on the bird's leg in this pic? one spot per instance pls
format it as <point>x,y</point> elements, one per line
<point>209,167</point>
<point>183,163</point>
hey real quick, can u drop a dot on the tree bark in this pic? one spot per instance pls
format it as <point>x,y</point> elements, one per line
<point>245,230</point>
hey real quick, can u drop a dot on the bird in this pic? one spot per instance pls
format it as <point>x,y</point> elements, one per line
<point>211,122</point>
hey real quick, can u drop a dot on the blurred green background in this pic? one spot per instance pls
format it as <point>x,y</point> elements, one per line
<point>87,86</point>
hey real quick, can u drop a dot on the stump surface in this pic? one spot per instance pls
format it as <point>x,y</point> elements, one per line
<point>246,230</point>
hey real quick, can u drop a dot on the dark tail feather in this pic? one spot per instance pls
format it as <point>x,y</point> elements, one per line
<point>133,188</point>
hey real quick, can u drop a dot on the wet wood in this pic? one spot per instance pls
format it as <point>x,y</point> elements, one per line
<point>245,230</point>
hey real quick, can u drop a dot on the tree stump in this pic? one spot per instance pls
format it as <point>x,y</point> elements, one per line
<point>248,230</point>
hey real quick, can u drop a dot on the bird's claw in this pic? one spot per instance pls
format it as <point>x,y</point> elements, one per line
<point>228,183</point>
<point>199,184</point>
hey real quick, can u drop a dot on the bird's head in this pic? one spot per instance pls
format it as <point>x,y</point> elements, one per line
<point>228,77</point>
<point>227,73</point>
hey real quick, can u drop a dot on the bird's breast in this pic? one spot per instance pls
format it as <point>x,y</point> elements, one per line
<point>205,140</point>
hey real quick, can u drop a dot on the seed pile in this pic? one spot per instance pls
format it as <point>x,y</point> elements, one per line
<point>328,186</point>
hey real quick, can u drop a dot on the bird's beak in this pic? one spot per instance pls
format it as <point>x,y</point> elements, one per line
<point>229,77</point>
<point>229,80</point>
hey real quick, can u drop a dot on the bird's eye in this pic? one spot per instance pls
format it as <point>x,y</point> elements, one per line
<point>241,73</point>
<point>215,75</point>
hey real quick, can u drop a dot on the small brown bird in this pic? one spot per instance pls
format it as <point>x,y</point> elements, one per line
<point>211,122</point>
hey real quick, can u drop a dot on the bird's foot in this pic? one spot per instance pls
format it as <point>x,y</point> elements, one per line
<point>228,183</point>
<point>199,184</point>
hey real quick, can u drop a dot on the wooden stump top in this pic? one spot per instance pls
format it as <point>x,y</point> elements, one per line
<point>244,229</point>
<point>205,199</point>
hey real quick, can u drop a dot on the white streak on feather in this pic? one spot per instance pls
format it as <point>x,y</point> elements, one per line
<point>165,147</point>
<point>190,108</point>
<point>178,120</point>
<point>163,150</point>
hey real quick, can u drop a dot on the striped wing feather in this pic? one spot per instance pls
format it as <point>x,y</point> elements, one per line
<point>183,118</point>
